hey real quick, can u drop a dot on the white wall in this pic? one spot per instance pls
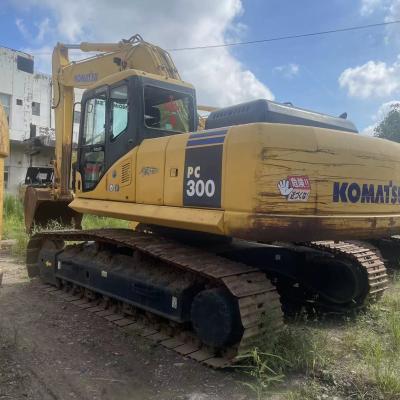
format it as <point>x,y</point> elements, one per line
<point>28,88</point>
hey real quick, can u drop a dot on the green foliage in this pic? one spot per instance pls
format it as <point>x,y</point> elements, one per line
<point>95,222</point>
<point>375,338</point>
<point>304,349</point>
<point>14,226</point>
<point>298,348</point>
<point>389,127</point>
<point>264,377</point>
<point>355,359</point>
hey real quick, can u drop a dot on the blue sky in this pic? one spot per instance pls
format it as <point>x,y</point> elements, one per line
<point>321,59</point>
<point>357,72</point>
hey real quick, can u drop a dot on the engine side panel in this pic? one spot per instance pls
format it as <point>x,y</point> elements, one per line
<point>260,182</point>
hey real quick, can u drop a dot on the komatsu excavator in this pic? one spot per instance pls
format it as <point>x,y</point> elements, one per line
<point>258,211</point>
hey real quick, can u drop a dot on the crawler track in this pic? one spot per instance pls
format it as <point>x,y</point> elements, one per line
<point>390,249</point>
<point>369,263</point>
<point>258,300</point>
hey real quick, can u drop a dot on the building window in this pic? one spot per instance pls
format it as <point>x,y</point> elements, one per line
<point>5,100</point>
<point>25,64</point>
<point>36,109</point>
<point>19,102</point>
<point>6,174</point>
<point>77,117</point>
<point>32,132</point>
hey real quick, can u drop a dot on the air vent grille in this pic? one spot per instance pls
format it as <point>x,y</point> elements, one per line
<point>126,173</point>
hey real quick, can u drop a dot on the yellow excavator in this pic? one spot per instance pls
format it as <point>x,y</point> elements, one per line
<point>258,212</point>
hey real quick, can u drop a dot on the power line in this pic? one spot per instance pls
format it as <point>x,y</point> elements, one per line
<point>272,39</point>
<point>279,38</point>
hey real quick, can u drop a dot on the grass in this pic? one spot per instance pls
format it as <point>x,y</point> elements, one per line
<point>349,359</point>
<point>95,222</point>
<point>375,343</point>
<point>13,225</point>
<point>299,348</point>
<point>264,377</point>
<point>14,228</point>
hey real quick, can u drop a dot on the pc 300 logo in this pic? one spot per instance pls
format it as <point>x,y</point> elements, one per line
<point>295,188</point>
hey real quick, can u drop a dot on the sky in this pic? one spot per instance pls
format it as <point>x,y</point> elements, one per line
<point>356,72</point>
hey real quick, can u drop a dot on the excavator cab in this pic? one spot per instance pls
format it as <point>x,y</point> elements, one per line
<point>118,115</point>
<point>115,120</point>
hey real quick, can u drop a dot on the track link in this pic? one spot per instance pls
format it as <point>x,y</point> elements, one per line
<point>368,261</point>
<point>258,300</point>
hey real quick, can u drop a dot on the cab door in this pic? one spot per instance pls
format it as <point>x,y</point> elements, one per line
<point>92,144</point>
<point>121,134</point>
<point>121,139</point>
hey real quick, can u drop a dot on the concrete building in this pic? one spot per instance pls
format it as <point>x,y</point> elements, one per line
<point>26,97</point>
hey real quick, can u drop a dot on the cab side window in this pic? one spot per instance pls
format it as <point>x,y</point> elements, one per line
<point>93,141</point>
<point>119,110</point>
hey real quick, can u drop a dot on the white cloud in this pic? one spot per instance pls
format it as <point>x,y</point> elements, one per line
<point>372,79</point>
<point>22,28</point>
<point>219,77</point>
<point>391,10</point>
<point>369,6</point>
<point>393,14</point>
<point>288,71</point>
<point>378,116</point>
<point>43,28</point>
<point>376,78</point>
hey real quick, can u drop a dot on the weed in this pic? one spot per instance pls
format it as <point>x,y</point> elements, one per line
<point>393,326</point>
<point>13,225</point>
<point>304,349</point>
<point>376,337</point>
<point>264,377</point>
<point>296,348</point>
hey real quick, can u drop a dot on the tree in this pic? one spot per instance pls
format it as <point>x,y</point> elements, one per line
<point>389,127</point>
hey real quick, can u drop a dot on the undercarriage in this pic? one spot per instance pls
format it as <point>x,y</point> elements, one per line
<point>220,298</point>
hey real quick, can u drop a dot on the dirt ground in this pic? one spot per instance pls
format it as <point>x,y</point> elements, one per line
<point>50,349</point>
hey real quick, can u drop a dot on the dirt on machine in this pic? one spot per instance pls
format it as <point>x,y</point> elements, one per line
<point>266,210</point>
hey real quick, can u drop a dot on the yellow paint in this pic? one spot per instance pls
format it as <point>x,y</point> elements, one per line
<point>147,183</point>
<point>174,165</point>
<point>150,171</point>
<point>255,158</point>
<point>183,218</point>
